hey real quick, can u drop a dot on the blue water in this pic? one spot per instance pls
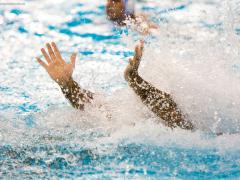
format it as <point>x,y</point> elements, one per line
<point>41,136</point>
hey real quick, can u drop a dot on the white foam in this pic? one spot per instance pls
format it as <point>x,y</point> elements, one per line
<point>191,62</point>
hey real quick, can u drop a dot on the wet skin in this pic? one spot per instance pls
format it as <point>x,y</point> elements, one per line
<point>159,102</point>
<point>116,9</point>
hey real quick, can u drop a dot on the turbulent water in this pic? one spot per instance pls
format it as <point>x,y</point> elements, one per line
<point>194,55</point>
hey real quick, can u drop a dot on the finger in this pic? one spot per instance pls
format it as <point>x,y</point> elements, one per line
<point>141,44</point>
<point>43,64</point>
<point>51,53</point>
<point>56,51</point>
<point>73,59</point>
<point>136,50</point>
<point>137,53</point>
<point>46,56</point>
<point>139,49</point>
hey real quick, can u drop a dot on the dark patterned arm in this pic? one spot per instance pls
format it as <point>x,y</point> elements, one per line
<point>75,94</point>
<point>158,102</point>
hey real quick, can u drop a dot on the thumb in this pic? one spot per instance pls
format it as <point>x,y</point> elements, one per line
<point>73,59</point>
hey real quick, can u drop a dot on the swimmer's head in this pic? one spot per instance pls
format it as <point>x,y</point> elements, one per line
<point>115,1</point>
<point>115,10</point>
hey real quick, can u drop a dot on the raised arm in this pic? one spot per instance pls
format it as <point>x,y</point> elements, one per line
<point>157,101</point>
<point>61,72</point>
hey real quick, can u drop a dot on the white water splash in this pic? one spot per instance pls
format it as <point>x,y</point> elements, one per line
<point>193,63</point>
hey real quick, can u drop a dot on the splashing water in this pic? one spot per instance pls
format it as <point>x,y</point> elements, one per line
<point>194,55</point>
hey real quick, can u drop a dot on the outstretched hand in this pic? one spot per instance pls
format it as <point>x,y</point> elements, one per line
<point>57,68</point>
<point>135,61</point>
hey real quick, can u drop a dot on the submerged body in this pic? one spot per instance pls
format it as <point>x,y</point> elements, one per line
<point>122,12</point>
<point>119,10</point>
<point>160,103</point>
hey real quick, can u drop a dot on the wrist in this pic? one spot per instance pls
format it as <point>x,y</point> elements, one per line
<point>65,82</point>
<point>130,73</point>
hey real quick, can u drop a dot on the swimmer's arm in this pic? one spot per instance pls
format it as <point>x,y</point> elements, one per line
<point>75,94</point>
<point>61,72</point>
<point>157,101</point>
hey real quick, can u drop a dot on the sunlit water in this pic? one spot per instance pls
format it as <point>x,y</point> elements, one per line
<point>194,55</point>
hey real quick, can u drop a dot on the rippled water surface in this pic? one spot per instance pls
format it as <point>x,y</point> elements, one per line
<point>194,55</point>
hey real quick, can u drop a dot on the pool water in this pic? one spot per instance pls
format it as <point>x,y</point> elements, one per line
<point>194,55</point>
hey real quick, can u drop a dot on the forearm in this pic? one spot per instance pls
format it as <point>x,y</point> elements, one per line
<point>77,96</point>
<point>158,102</point>
<point>148,94</point>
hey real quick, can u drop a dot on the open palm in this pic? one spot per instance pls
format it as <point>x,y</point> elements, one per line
<point>57,68</point>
